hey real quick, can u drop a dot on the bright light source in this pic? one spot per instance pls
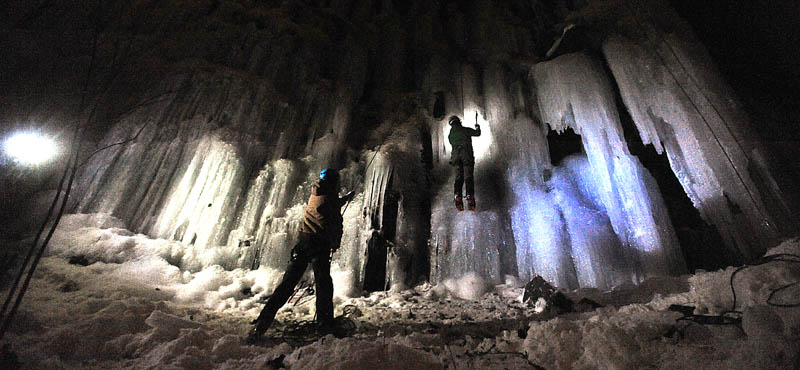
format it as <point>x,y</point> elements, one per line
<point>30,148</point>
<point>481,145</point>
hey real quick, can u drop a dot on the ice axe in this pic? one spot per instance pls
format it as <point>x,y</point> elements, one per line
<point>477,126</point>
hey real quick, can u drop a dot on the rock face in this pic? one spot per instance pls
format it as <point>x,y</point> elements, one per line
<point>241,104</point>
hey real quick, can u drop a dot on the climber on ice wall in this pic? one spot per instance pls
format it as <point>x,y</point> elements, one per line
<point>463,159</point>
<point>320,235</point>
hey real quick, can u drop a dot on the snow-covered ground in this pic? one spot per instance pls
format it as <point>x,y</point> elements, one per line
<point>151,303</point>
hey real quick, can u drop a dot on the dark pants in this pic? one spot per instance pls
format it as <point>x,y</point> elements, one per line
<point>464,161</point>
<point>317,253</point>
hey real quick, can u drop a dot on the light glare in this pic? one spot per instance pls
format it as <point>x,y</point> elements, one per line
<point>481,145</point>
<point>30,148</point>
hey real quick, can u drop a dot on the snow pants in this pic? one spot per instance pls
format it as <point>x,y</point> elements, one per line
<point>308,250</point>
<point>464,161</point>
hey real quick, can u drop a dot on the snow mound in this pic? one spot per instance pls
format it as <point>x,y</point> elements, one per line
<point>636,335</point>
<point>174,342</point>
<point>195,275</point>
<point>713,293</point>
<point>350,353</point>
<point>101,237</point>
<point>605,340</point>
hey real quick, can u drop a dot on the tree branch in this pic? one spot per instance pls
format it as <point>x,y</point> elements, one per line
<point>115,144</point>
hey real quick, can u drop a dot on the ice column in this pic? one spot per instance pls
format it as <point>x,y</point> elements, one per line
<point>198,210</point>
<point>573,91</point>
<point>471,242</point>
<point>682,107</point>
<point>542,240</point>
<point>270,217</point>
<point>464,242</point>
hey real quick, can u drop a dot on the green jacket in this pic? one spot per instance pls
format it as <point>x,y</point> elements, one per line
<point>462,136</point>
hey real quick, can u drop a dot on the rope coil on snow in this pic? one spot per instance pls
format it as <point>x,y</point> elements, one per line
<point>781,257</point>
<point>726,317</point>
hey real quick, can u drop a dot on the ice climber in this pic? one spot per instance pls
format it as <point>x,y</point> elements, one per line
<point>320,235</point>
<point>463,159</point>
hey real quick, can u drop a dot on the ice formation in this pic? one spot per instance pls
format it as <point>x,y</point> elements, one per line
<point>223,166</point>
<point>238,105</point>
<point>574,92</point>
<point>595,220</point>
<point>704,134</point>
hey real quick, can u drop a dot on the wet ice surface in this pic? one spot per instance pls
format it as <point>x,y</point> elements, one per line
<point>137,310</point>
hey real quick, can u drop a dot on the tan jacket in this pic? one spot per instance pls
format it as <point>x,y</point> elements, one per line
<point>322,217</point>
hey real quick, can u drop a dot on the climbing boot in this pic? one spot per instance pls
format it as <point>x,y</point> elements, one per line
<point>258,330</point>
<point>331,328</point>
<point>339,327</point>
<point>459,202</point>
<point>470,202</point>
<point>254,336</point>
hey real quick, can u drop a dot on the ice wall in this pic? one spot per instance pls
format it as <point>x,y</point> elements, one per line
<point>194,211</point>
<point>594,220</point>
<point>681,106</point>
<point>269,220</point>
<point>222,162</point>
<point>481,242</point>
<point>574,91</point>
<point>266,94</point>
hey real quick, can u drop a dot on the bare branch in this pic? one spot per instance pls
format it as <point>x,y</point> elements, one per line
<point>153,100</point>
<point>128,140</point>
<point>149,101</point>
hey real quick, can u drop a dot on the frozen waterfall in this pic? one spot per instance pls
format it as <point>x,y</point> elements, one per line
<point>225,163</point>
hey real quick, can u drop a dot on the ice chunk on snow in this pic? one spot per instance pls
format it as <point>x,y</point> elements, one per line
<point>171,323</point>
<point>469,286</point>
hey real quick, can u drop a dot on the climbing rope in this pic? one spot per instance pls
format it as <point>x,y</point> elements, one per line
<point>303,332</point>
<point>461,73</point>
<point>781,257</point>
<point>732,316</point>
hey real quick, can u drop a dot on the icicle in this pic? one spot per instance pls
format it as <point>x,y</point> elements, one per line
<point>573,91</point>
<point>685,110</point>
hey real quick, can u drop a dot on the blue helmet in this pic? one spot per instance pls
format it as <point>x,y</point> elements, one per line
<point>329,174</point>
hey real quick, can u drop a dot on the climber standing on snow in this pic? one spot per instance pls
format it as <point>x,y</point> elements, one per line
<point>320,235</point>
<point>463,159</point>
